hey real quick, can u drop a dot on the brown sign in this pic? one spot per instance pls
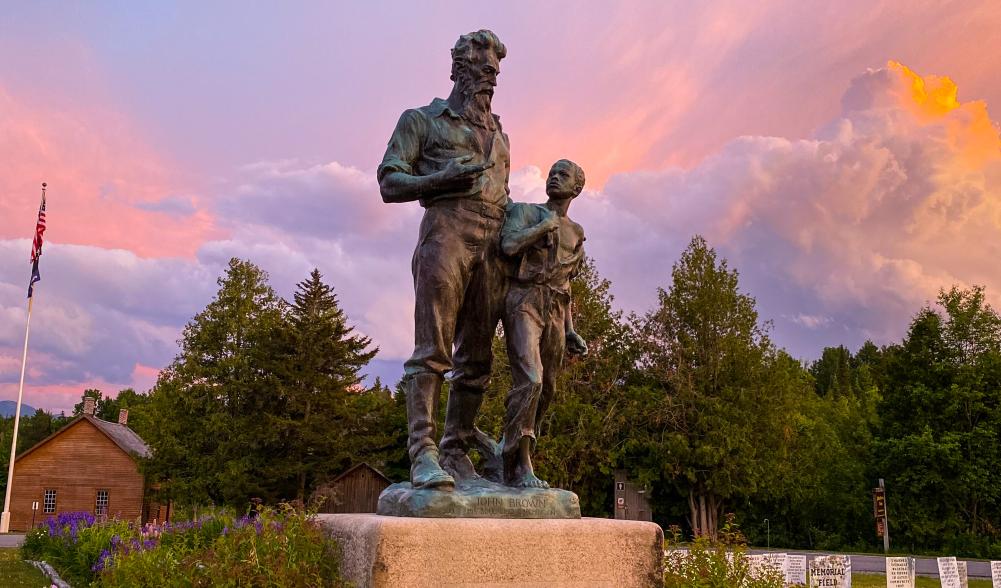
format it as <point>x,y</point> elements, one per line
<point>879,503</point>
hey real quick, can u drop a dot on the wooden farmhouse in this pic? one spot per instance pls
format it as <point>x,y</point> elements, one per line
<point>356,490</point>
<point>89,465</point>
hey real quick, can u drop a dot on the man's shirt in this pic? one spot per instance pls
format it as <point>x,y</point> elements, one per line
<point>542,262</point>
<point>426,139</point>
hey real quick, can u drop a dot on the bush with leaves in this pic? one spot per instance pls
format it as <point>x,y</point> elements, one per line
<point>723,564</point>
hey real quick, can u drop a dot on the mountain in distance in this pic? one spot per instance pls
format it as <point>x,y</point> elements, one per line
<point>7,408</point>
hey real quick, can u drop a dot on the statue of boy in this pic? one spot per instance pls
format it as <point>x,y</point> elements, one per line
<point>453,157</point>
<point>545,248</point>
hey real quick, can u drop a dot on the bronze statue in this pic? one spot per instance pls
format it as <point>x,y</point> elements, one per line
<point>546,248</point>
<point>453,157</point>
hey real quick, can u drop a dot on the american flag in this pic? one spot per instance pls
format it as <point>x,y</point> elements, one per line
<point>36,245</point>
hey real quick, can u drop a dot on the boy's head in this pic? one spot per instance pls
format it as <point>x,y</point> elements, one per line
<point>566,180</point>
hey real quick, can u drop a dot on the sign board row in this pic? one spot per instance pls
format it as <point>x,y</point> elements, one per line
<point>835,571</point>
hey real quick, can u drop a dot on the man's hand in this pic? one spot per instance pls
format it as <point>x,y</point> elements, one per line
<point>459,175</point>
<point>576,344</point>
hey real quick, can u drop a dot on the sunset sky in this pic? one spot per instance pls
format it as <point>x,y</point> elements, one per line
<point>844,156</point>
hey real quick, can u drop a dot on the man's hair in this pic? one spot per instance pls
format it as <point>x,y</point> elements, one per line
<point>467,45</point>
<point>578,174</point>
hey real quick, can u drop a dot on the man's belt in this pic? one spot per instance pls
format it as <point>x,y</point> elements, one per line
<point>478,206</point>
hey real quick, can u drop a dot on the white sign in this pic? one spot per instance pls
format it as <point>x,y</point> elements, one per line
<point>996,573</point>
<point>964,580</point>
<point>948,572</point>
<point>831,571</point>
<point>795,569</point>
<point>899,572</point>
<point>755,565</point>
<point>777,562</point>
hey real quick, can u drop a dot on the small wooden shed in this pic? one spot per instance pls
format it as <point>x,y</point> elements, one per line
<point>356,490</point>
<point>90,465</point>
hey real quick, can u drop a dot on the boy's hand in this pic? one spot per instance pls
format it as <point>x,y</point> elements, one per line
<point>576,344</point>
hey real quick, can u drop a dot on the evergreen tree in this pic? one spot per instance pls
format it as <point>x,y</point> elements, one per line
<point>940,431</point>
<point>321,383</point>
<point>213,433</point>
<point>728,400</point>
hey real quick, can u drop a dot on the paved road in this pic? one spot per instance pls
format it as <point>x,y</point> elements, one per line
<point>924,566</point>
<point>11,539</point>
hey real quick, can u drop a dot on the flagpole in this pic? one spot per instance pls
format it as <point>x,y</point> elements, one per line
<point>5,517</point>
<point>36,252</point>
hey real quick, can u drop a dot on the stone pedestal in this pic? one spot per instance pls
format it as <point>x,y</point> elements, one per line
<point>381,551</point>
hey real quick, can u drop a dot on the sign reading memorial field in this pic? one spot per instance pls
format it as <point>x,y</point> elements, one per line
<point>899,572</point>
<point>831,571</point>
<point>948,572</point>
<point>795,570</point>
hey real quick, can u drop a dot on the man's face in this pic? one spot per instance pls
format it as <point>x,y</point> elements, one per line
<point>483,71</point>
<point>561,182</point>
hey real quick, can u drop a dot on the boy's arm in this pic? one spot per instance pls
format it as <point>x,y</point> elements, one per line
<point>575,343</point>
<point>515,238</point>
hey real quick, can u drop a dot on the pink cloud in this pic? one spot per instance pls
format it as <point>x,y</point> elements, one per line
<point>897,197</point>
<point>100,175</point>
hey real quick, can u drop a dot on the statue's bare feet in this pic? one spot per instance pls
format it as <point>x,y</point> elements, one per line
<point>523,476</point>
<point>530,480</point>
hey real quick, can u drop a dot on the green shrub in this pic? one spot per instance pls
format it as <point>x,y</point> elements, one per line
<point>273,549</point>
<point>267,548</point>
<point>723,564</point>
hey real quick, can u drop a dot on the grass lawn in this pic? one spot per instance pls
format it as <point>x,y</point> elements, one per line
<point>876,580</point>
<point>15,573</point>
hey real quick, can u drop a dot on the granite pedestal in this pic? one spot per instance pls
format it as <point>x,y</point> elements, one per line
<point>380,552</point>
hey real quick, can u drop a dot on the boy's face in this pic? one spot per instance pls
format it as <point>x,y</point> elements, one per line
<point>562,181</point>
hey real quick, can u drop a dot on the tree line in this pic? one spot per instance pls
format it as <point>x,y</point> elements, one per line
<point>691,398</point>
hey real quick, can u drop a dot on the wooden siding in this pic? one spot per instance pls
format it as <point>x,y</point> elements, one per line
<point>357,491</point>
<point>76,463</point>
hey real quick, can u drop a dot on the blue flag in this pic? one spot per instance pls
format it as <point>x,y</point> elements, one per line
<point>35,276</point>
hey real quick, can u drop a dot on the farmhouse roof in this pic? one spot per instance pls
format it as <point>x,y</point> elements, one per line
<point>121,435</point>
<point>360,465</point>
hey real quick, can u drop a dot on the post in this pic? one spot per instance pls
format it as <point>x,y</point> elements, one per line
<point>886,520</point>
<point>768,534</point>
<point>5,517</point>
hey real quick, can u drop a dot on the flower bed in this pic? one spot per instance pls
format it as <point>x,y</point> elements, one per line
<point>268,548</point>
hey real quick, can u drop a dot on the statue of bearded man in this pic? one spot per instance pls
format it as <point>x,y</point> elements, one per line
<point>453,157</point>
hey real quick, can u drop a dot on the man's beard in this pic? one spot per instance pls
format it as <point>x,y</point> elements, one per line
<point>476,106</point>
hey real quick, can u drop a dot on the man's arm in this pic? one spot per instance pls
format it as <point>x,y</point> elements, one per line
<point>516,238</point>
<point>397,180</point>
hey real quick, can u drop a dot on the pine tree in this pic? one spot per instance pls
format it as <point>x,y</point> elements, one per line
<point>723,382</point>
<point>212,429</point>
<point>322,384</point>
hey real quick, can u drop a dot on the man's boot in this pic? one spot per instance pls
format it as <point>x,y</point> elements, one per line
<point>460,414</point>
<point>422,396</point>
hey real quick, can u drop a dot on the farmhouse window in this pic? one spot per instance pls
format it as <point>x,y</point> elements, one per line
<point>101,508</point>
<point>49,501</point>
